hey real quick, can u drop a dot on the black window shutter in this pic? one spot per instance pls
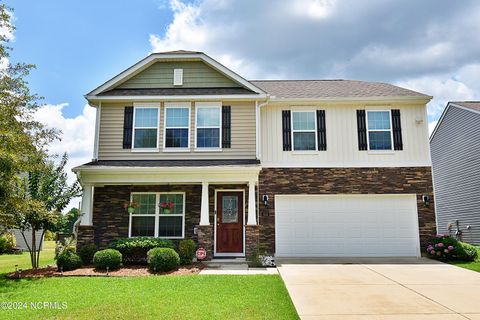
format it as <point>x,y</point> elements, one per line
<point>226,126</point>
<point>397,130</point>
<point>286,130</point>
<point>127,127</point>
<point>321,131</point>
<point>362,130</point>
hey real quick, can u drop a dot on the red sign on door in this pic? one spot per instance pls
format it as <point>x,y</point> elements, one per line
<point>201,253</point>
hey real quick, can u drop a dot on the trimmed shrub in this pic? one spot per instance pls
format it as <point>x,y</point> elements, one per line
<point>87,252</point>
<point>162,259</point>
<point>110,258</point>
<point>68,260</point>
<point>467,252</point>
<point>134,250</point>
<point>186,251</point>
<point>3,245</point>
<point>7,243</point>
<point>446,248</point>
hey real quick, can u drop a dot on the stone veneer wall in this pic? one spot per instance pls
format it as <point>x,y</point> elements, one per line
<point>417,180</point>
<point>110,219</point>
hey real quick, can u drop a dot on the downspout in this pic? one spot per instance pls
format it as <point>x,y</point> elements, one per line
<point>258,128</point>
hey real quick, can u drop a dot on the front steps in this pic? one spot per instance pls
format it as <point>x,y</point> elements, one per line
<point>227,263</point>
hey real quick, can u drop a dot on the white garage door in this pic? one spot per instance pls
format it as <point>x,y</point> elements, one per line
<point>346,225</point>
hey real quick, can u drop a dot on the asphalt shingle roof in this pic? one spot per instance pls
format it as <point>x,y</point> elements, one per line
<point>474,105</point>
<point>311,89</point>
<point>175,91</point>
<point>172,163</point>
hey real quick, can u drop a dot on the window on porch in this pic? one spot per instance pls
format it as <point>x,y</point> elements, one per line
<point>158,215</point>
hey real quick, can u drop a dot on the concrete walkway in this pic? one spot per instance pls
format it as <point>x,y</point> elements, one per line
<point>375,289</point>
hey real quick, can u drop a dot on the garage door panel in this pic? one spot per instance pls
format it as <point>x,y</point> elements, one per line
<point>346,225</point>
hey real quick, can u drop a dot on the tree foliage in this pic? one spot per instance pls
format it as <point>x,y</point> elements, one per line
<point>23,141</point>
<point>44,193</point>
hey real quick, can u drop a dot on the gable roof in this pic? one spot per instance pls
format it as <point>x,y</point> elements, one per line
<point>331,89</point>
<point>278,90</point>
<point>178,55</point>
<point>472,106</point>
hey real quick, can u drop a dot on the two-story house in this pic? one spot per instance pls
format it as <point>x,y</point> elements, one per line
<point>302,168</point>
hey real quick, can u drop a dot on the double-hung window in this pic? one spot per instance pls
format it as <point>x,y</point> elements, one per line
<point>379,130</point>
<point>145,133</point>
<point>304,130</point>
<point>177,126</point>
<point>158,215</point>
<point>208,125</point>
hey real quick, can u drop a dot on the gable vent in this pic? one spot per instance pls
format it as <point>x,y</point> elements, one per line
<point>177,77</point>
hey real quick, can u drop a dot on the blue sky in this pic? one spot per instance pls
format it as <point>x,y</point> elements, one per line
<point>76,45</point>
<point>430,46</point>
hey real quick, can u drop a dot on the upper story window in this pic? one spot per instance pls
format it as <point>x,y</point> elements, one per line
<point>379,130</point>
<point>177,126</point>
<point>304,130</point>
<point>208,126</point>
<point>145,129</point>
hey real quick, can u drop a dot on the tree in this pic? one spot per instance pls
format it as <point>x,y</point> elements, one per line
<point>45,192</point>
<point>23,141</point>
<point>65,224</point>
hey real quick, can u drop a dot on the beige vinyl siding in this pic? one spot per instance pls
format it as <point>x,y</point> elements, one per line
<point>242,138</point>
<point>196,74</point>
<point>342,140</point>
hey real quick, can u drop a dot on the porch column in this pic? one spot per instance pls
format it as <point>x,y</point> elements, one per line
<point>87,205</point>
<point>204,214</point>
<point>252,207</point>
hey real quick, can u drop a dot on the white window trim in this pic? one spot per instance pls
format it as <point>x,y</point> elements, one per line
<point>209,105</point>
<point>173,105</point>
<point>314,131</point>
<point>145,106</point>
<point>157,214</point>
<point>379,130</point>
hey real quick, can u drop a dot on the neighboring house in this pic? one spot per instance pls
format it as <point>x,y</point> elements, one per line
<point>300,168</point>
<point>455,148</point>
<point>20,241</point>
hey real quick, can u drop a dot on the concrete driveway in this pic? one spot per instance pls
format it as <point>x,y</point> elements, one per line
<point>375,289</point>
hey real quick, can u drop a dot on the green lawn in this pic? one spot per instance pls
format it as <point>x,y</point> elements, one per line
<point>152,297</point>
<point>474,265</point>
<point>8,261</point>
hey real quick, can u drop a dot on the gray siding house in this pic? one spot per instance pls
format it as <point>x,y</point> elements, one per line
<point>455,151</point>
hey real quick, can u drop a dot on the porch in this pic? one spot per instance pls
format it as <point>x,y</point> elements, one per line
<point>211,205</point>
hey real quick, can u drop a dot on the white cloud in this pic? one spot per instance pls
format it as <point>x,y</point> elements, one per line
<point>431,126</point>
<point>460,86</point>
<point>426,47</point>
<point>9,35</point>
<point>77,135</point>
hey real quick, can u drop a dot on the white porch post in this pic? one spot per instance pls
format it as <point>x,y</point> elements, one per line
<point>87,205</point>
<point>252,207</point>
<point>204,214</point>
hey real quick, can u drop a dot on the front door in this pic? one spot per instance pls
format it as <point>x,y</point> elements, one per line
<point>229,222</point>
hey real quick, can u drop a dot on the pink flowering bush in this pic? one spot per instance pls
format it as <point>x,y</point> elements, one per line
<point>443,247</point>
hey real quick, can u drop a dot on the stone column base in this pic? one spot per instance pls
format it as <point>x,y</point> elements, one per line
<point>205,239</point>
<point>85,236</point>
<point>252,238</point>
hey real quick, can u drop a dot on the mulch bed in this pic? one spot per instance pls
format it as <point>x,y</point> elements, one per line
<point>127,271</point>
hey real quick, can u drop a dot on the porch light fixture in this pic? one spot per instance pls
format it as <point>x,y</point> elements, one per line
<point>426,200</point>
<point>265,200</point>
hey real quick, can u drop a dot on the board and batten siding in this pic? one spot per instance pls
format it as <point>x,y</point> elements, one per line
<point>342,138</point>
<point>242,135</point>
<point>455,149</point>
<point>196,74</point>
